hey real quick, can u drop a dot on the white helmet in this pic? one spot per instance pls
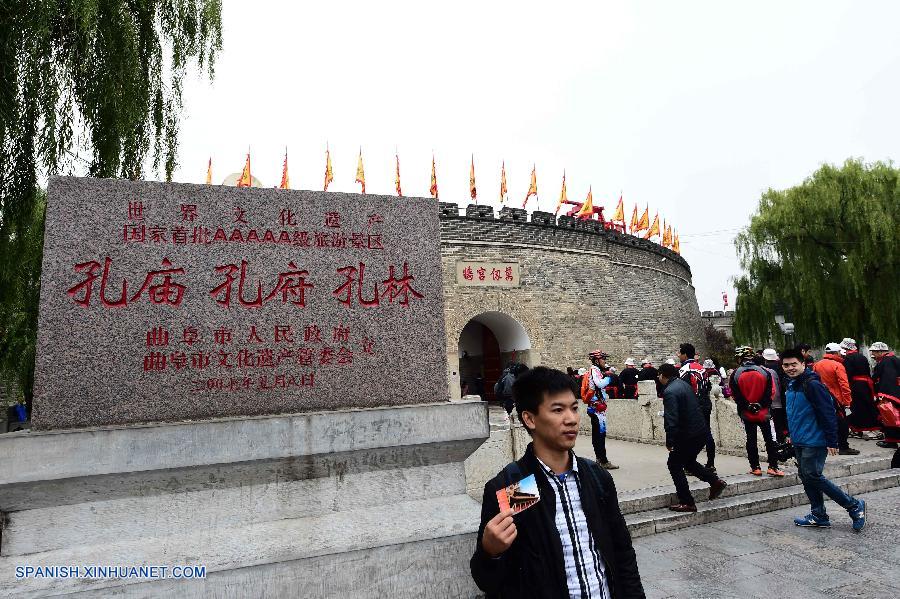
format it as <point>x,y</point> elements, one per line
<point>629,362</point>
<point>832,348</point>
<point>879,346</point>
<point>770,354</point>
<point>671,361</point>
<point>848,343</point>
<point>707,363</point>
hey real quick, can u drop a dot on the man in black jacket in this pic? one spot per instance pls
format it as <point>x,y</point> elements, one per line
<point>574,541</point>
<point>686,433</point>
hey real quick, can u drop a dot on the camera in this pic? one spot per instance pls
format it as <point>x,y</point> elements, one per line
<point>784,452</point>
<point>754,408</point>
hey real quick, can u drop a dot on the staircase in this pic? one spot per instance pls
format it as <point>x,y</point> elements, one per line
<point>646,510</point>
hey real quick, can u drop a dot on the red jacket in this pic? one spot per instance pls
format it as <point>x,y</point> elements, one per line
<point>831,370</point>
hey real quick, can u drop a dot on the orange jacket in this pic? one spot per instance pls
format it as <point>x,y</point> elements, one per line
<point>831,370</point>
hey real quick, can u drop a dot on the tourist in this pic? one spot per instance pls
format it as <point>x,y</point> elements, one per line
<point>812,429</point>
<point>693,373</point>
<point>831,370</point>
<point>752,387</point>
<point>686,434</point>
<point>503,388</point>
<point>614,390</point>
<point>887,389</point>
<point>594,394</point>
<point>629,377</point>
<point>772,363</point>
<point>863,418</point>
<point>574,542</point>
<point>806,350</point>
<point>649,373</point>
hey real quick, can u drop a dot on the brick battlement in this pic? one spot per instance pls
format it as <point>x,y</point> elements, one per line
<point>545,230</point>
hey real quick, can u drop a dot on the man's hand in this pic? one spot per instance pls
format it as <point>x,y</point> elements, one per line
<point>499,534</point>
<point>832,451</point>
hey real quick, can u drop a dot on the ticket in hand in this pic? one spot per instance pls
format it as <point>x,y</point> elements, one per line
<point>519,496</point>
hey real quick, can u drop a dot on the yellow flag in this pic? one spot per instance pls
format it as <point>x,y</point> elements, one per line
<point>285,181</point>
<point>360,173</point>
<point>397,177</point>
<point>472,190</point>
<point>329,174</point>
<point>503,182</point>
<point>619,216</point>
<point>562,195</point>
<point>663,233</point>
<point>209,172</point>
<point>587,209</point>
<point>667,235</point>
<point>654,227</point>
<point>634,220</point>
<point>532,188</point>
<point>644,222</point>
<point>434,187</point>
<point>676,245</point>
<point>245,180</point>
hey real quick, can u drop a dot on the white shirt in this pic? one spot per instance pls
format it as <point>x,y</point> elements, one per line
<point>585,570</point>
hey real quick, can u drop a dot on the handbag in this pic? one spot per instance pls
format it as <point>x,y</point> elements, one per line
<point>888,412</point>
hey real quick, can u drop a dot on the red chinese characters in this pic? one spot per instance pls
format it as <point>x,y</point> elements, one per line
<point>392,288</point>
<point>158,285</point>
<point>291,285</point>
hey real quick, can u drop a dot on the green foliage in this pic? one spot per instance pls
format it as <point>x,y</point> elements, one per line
<point>100,78</point>
<point>826,254</point>
<point>719,346</point>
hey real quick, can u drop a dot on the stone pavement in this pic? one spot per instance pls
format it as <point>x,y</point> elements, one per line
<point>766,556</point>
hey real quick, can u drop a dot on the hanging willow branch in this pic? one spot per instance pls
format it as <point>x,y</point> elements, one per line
<point>827,252</point>
<point>94,78</point>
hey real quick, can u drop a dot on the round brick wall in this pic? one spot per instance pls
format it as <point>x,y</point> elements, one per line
<point>580,288</point>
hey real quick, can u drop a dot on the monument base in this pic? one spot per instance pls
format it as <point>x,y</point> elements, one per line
<point>357,503</point>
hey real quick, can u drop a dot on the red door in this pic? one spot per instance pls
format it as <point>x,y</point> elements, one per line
<point>491,362</point>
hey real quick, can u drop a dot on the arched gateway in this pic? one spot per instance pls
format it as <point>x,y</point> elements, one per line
<point>486,344</point>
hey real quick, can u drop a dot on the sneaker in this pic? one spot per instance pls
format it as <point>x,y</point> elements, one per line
<point>756,472</point>
<point>859,515</point>
<point>811,521</point>
<point>609,465</point>
<point>683,507</point>
<point>873,436</point>
<point>848,451</point>
<point>855,435</point>
<point>775,472</point>
<point>886,444</point>
<point>716,489</point>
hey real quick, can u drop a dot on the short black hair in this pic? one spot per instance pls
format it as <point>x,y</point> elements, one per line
<point>804,347</point>
<point>688,349</point>
<point>793,353</point>
<point>759,360</point>
<point>518,369</point>
<point>533,386</point>
<point>668,370</point>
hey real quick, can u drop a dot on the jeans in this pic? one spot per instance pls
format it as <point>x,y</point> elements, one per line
<point>598,439</point>
<point>752,450</point>
<point>684,457</point>
<point>811,461</point>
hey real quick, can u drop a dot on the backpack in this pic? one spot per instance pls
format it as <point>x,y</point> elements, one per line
<point>755,411</point>
<point>587,394</point>
<point>699,381</point>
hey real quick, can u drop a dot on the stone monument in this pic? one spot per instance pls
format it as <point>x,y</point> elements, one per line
<point>247,382</point>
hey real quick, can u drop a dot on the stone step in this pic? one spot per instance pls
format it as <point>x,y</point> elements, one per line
<point>654,498</point>
<point>650,522</point>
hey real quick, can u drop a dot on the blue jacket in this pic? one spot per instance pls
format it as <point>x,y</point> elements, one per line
<point>812,421</point>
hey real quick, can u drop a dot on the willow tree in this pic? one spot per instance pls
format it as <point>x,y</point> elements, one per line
<point>827,254</point>
<point>97,81</point>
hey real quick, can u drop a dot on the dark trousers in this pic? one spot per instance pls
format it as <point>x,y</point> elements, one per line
<point>684,457</point>
<point>895,461</point>
<point>752,450</point>
<point>710,443</point>
<point>843,428</point>
<point>779,416</point>
<point>598,439</point>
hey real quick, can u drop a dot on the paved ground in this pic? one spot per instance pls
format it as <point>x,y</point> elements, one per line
<point>766,556</point>
<point>642,465</point>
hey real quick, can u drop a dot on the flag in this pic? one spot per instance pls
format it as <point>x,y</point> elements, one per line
<point>397,177</point>
<point>619,216</point>
<point>329,174</point>
<point>725,299</point>
<point>360,173</point>
<point>670,239</point>
<point>654,227</point>
<point>562,195</point>
<point>532,189</point>
<point>644,222</point>
<point>472,191</point>
<point>587,209</point>
<point>245,180</point>
<point>676,245</point>
<point>634,220</point>
<point>434,187</point>
<point>503,182</point>
<point>285,181</point>
<point>209,172</point>
<point>666,234</point>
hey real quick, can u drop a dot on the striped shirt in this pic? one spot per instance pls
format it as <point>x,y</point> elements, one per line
<point>585,571</point>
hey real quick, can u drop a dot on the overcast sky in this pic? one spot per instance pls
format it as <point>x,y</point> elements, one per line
<point>694,108</point>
